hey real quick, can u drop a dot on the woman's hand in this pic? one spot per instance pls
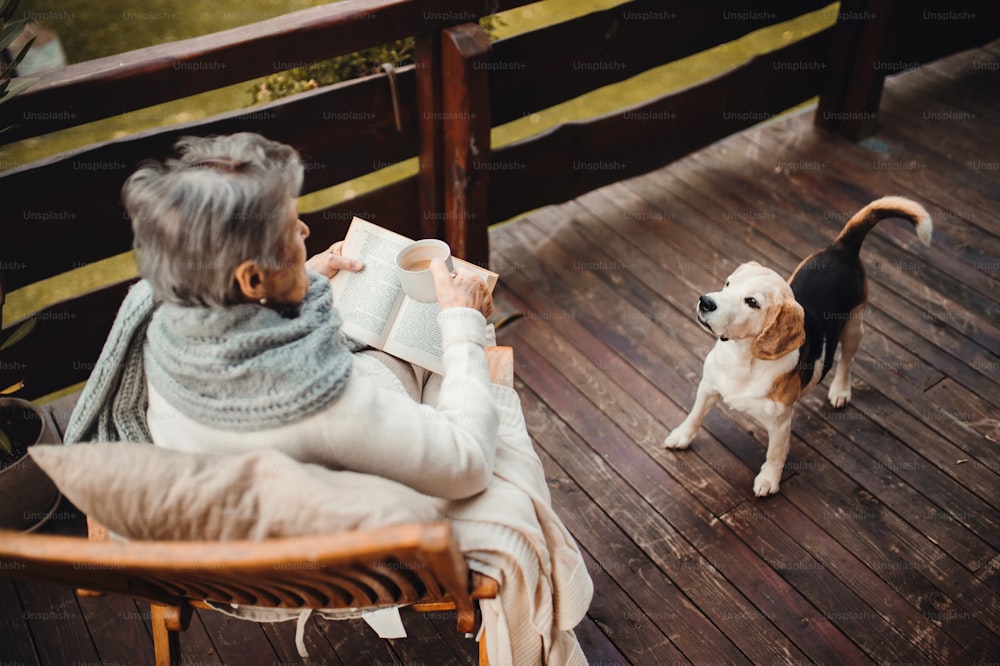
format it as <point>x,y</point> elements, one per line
<point>461,289</point>
<point>332,261</point>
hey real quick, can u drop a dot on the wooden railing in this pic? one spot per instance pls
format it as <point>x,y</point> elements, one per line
<point>62,212</point>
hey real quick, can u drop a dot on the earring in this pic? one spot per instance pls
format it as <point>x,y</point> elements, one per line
<point>263,301</point>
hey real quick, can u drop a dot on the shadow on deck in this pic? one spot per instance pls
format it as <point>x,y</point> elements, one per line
<point>882,544</point>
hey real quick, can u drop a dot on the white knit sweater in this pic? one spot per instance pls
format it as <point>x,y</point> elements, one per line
<point>444,450</point>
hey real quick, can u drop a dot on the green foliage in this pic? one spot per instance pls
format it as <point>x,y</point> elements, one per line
<point>343,68</point>
<point>9,31</point>
<point>327,72</point>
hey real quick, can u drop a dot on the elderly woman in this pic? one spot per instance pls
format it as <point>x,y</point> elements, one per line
<point>231,343</point>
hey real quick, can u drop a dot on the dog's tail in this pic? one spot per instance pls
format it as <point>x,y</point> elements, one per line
<point>854,232</point>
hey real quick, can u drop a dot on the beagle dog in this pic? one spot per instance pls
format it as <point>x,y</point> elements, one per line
<point>776,340</point>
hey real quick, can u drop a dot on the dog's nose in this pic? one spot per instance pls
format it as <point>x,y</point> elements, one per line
<point>706,304</point>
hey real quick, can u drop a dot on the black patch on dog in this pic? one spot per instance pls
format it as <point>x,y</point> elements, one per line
<point>828,285</point>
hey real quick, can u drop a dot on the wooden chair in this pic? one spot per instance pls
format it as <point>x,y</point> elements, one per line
<point>415,565</point>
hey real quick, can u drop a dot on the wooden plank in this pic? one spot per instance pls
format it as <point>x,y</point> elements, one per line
<point>703,579</point>
<point>638,336</point>
<point>18,646</point>
<point>427,643</point>
<point>45,361</point>
<point>958,81</point>
<point>849,103</point>
<point>44,236</point>
<point>356,640</point>
<point>939,346</point>
<point>236,641</point>
<point>541,68</point>
<point>908,269</point>
<point>921,408</point>
<point>902,461</point>
<point>394,206</point>
<point>119,628</point>
<point>604,438</point>
<point>728,242</point>
<point>282,638</point>
<point>677,618</point>
<point>989,573</point>
<point>633,403</point>
<point>919,572</point>
<point>580,156</point>
<point>465,99</point>
<point>872,631</point>
<point>970,414</point>
<point>629,626</point>
<point>925,30</point>
<point>124,82</point>
<point>903,529</point>
<point>430,128</point>
<point>887,165</point>
<point>628,398</point>
<point>597,646</point>
<point>55,623</point>
<point>921,630</point>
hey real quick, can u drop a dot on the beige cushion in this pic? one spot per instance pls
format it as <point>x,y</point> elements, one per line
<point>141,491</point>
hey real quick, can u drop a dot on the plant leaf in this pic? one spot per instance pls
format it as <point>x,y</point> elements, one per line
<point>11,31</point>
<point>24,52</point>
<point>7,9</point>
<point>20,333</point>
<point>13,388</point>
<point>5,443</point>
<point>17,86</point>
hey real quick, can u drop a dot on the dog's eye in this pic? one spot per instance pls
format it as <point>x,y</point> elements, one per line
<point>752,302</point>
<point>727,284</point>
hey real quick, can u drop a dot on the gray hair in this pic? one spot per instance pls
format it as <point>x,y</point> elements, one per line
<point>222,201</point>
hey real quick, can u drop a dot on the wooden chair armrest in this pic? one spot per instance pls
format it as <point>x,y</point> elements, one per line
<point>95,532</point>
<point>483,587</point>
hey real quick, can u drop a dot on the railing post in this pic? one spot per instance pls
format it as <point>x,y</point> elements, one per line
<point>428,70</point>
<point>465,114</point>
<point>849,103</point>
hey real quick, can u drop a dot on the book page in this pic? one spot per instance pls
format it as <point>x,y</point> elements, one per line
<point>368,300</point>
<point>415,336</point>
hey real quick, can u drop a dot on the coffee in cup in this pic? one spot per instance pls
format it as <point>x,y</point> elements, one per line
<point>414,267</point>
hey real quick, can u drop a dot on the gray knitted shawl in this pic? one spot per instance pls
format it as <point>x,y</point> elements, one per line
<point>242,368</point>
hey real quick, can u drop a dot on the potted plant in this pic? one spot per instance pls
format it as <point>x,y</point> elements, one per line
<point>27,496</point>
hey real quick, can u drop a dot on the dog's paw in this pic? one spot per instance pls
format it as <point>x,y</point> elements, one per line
<point>679,438</point>
<point>839,396</point>
<point>766,483</point>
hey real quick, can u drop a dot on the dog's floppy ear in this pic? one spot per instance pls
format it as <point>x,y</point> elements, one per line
<point>784,332</point>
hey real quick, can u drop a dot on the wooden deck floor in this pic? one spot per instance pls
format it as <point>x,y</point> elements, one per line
<point>882,544</point>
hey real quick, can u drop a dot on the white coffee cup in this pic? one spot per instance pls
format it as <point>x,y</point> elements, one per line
<point>414,266</point>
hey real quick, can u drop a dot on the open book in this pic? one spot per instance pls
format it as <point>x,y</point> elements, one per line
<point>372,303</point>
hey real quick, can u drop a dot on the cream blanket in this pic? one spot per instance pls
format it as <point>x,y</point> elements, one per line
<point>510,533</point>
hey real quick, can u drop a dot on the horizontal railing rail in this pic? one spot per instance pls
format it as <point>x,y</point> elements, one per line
<point>120,83</point>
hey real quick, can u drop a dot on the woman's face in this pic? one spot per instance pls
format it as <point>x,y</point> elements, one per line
<point>288,284</point>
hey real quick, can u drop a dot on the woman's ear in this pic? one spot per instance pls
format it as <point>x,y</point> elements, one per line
<point>250,278</point>
<point>784,332</point>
